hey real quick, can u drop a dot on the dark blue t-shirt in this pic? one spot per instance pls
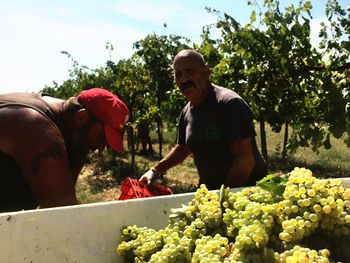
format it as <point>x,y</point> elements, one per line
<point>208,130</point>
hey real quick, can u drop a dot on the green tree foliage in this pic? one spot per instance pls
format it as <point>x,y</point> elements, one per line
<point>270,62</point>
<point>157,52</point>
<point>81,78</point>
<point>131,84</point>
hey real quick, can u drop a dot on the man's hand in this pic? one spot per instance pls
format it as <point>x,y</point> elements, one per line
<point>174,157</point>
<point>148,176</point>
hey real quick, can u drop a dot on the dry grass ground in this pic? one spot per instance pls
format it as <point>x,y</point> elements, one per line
<point>101,178</point>
<point>90,180</point>
<point>96,184</point>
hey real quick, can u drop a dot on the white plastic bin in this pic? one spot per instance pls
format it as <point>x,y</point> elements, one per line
<point>82,233</point>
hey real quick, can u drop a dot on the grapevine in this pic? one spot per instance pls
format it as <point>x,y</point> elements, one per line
<point>293,217</point>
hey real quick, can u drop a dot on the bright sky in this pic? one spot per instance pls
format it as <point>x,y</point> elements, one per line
<point>34,32</point>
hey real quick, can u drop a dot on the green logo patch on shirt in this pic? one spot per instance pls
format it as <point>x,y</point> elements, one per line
<point>212,133</point>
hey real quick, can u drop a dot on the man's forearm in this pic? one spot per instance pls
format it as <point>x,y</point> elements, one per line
<point>243,163</point>
<point>174,157</point>
<point>239,173</point>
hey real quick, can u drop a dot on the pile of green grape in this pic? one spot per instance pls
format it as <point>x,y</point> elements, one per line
<point>293,217</point>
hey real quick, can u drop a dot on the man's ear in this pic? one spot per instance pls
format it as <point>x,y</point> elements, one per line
<point>81,117</point>
<point>207,69</point>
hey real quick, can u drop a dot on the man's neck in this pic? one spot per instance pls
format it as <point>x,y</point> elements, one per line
<point>203,97</point>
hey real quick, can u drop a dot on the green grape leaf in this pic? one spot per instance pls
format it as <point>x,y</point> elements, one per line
<point>221,193</point>
<point>177,212</point>
<point>273,183</point>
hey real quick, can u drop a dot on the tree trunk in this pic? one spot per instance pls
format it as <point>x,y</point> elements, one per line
<point>144,138</point>
<point>160,137</point>
<point>285,140</point>
<point>131,147</point>
<point>159,126</point>
<point>263,140</point>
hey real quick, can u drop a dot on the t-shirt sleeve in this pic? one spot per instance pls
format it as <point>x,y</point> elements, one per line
<point>181,129</point>
<point>239,119</point>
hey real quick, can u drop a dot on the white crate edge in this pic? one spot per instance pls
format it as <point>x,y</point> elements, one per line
<point>83,233</point>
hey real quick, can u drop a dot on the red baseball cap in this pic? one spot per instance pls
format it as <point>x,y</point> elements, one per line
<point>111,110</point>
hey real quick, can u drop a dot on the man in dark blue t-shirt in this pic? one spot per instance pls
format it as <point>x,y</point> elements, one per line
<point>216,127</point>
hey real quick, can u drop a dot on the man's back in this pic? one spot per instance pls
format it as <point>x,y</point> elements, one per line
<point>28,138</point>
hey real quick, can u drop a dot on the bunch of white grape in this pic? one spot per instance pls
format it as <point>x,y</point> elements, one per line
<point>264,223</point>
<point>211,249</point>
<point>312,205</point>
<point>139,242</point>
<point>303,254</point>
<point>248,221</point>
<point>171,253</point>
<point>201,216</point>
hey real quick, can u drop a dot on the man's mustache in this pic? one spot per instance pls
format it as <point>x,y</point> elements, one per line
<point>186,85</point>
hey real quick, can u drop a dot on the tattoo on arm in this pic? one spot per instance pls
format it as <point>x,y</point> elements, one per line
<point>54,151</point>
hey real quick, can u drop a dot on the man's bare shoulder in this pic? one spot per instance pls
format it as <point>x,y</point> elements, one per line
<point>26,128</point>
